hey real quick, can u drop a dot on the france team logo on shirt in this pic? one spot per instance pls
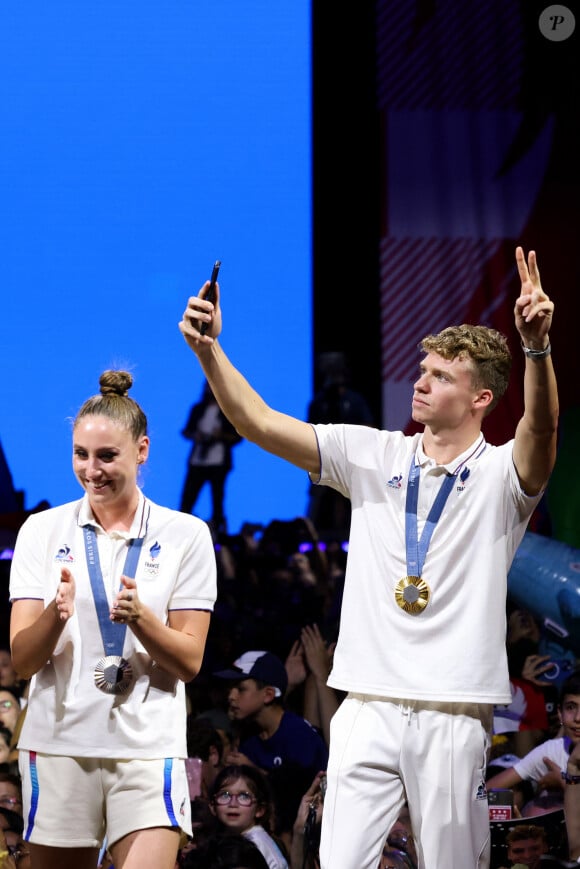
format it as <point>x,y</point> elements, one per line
<point>64,555</point>
<point>463,478</point>
<point>151,565</point>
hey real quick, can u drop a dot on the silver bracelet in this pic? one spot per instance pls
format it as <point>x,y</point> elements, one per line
<point>537,354</point>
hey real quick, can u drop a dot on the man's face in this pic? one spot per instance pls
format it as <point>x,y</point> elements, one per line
<point>443,394</point>
<point>527,851</point>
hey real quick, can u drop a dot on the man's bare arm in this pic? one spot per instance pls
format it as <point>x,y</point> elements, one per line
<point>280,434</point>
<point>535,440</point>
<point>572,802</point>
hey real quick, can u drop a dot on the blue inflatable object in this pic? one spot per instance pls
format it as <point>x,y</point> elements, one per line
<point>545,579</point>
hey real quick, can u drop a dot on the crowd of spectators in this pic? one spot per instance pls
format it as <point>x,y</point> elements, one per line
<point>280,593</point>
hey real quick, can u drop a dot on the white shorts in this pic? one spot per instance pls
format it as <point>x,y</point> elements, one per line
<point>75,802</point>
<point>383,751</point>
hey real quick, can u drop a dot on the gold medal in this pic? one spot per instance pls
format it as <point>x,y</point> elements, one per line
<point>412,594</point>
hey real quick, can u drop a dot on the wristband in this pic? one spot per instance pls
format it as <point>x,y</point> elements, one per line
<point>570,779</point>
<point>537,354</point>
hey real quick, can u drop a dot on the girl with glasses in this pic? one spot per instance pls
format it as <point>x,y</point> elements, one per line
<point>242,802</point>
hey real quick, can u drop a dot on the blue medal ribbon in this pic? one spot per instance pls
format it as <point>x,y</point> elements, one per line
<point>416,550</point>
<point>113,634</point>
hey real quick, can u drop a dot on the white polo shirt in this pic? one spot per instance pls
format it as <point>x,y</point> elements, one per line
<point>454,650</point>
<point>533,767</point>
<point>67,714</point>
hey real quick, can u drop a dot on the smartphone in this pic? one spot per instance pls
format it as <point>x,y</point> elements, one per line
<point>210,295</point>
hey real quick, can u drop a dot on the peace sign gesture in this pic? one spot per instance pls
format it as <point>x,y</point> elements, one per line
<point>533,309</point>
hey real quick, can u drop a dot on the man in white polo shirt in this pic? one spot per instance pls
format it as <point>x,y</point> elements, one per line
<point>436,520</point>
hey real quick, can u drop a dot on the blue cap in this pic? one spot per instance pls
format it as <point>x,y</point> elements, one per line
<point>261,666</point>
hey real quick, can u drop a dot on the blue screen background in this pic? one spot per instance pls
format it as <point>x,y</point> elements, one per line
<point>142,141</point>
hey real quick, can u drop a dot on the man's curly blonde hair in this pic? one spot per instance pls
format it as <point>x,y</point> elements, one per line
<point>486,348</point>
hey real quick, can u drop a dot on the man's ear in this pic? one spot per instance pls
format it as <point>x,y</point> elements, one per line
<point>482,399</point>
<point>269,694</point>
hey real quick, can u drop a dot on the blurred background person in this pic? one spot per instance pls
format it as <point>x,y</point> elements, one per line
<point>9,708</point>
<point>525,846</point>
<point>401,837</point>
<point>11,792</point>
<point>9,678</point>
<point>392,858</point>
<point>334,402</point>
<point>5,746</point>
<point>210,457</point>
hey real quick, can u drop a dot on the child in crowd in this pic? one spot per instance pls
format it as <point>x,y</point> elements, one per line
<point>543,765</point>
<point>273,738</point>
<point>242,802</point>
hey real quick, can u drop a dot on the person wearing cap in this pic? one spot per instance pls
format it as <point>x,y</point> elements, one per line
<point>279,735</point>
<point>436,519</point>
<point>275,739</point>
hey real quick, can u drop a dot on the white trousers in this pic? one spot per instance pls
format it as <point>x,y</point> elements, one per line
<point>384,751</point>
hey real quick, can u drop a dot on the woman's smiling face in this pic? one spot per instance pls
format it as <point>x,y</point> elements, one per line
<point>105,460</point>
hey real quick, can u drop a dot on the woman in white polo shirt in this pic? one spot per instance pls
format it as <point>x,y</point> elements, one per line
<point>111,602</point>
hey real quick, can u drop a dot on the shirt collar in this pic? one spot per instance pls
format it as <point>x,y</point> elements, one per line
<point>138,526</point>
<point>473,451</point>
